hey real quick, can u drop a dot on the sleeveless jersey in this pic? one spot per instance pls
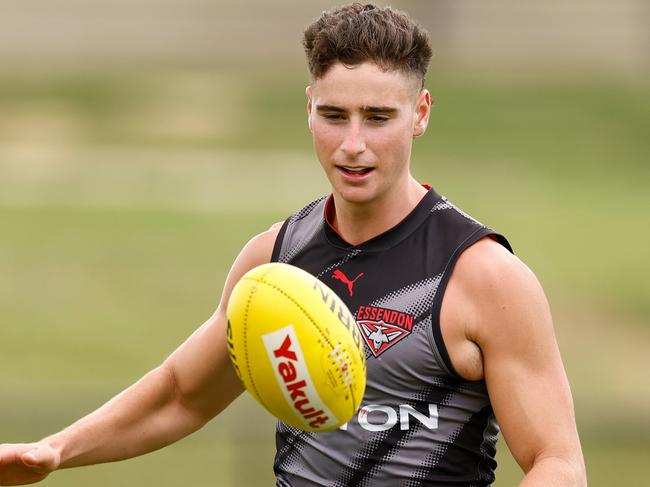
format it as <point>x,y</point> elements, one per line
<point>419,424</point>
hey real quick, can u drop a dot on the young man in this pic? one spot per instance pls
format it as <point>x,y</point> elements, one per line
<point>458,330</point>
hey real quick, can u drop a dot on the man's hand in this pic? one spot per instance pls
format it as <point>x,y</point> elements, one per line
<point>27,463</point>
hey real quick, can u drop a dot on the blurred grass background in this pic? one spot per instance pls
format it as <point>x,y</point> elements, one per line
<point>135,165</point>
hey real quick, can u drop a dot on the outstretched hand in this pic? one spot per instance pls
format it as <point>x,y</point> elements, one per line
<point>26,463</point>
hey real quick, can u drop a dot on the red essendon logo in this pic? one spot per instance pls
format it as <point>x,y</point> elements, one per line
<point>382,328</point>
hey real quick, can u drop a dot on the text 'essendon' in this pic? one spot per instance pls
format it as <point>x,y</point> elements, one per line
<point>391,316</point>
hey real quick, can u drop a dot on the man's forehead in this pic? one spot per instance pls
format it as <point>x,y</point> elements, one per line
<point>364,85</point>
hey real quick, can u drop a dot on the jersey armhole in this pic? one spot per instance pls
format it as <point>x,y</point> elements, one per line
<point>438,341</point>
<point>277,246</point>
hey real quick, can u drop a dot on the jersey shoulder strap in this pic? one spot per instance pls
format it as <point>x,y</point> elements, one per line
<point>298,230</point>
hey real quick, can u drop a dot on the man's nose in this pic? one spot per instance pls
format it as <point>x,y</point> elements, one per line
<point>353,142</point>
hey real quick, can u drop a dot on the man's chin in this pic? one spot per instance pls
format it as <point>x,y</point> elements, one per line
<point>356,196</point>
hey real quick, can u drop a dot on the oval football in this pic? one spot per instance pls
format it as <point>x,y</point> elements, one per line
<point>296,347</point>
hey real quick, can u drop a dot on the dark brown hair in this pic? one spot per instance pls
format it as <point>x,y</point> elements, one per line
<point>357,33</point>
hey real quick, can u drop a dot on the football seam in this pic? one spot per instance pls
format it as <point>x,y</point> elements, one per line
<point>304,312</point>
<point>248,367</point>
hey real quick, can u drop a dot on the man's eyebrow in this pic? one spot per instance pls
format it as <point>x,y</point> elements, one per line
<point>369,109</point>
<point>365,109</point>
<point>329,108</point>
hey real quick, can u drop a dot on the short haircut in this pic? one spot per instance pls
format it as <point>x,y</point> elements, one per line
<point>357,33</point>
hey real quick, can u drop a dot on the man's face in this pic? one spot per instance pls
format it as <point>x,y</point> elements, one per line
<point>363,121</point>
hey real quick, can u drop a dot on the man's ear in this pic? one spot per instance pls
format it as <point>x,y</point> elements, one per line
<point>309,105</point>
<point>422,113</point>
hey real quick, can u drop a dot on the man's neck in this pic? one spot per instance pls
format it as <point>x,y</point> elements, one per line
<point>358,223</point>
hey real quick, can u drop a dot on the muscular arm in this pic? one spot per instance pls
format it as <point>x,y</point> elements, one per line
<point>189,388</point>
<point>508,324</point>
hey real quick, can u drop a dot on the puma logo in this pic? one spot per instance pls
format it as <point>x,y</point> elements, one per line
<point>339,275</point>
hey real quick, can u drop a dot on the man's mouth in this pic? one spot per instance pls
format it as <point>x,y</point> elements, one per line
<point>355,171</point>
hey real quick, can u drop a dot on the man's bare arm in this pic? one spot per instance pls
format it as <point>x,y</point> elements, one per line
<point>193,384</point>
<point>511,324</point>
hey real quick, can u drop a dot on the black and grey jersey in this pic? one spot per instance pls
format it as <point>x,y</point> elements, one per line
<point>419,424</point>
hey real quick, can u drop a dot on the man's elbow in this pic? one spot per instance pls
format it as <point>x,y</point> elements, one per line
<point>179,400</point>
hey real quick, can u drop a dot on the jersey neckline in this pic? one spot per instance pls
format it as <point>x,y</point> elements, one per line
<point>390,237</point>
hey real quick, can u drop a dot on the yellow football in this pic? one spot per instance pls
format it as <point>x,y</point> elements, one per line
<point>296,347</point>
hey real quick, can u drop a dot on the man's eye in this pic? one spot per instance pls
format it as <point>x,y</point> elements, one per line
<point>378,118</point>
<point>333,116</point>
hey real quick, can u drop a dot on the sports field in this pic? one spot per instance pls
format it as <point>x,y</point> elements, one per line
<point>124,198</point>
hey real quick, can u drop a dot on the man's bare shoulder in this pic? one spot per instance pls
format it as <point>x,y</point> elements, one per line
<point>501,292</point>
<point>268,237</point>
<point>488,261</point>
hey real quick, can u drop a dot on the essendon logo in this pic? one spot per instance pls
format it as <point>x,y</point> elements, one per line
<point>290,367</point>
<point>382,328</point>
